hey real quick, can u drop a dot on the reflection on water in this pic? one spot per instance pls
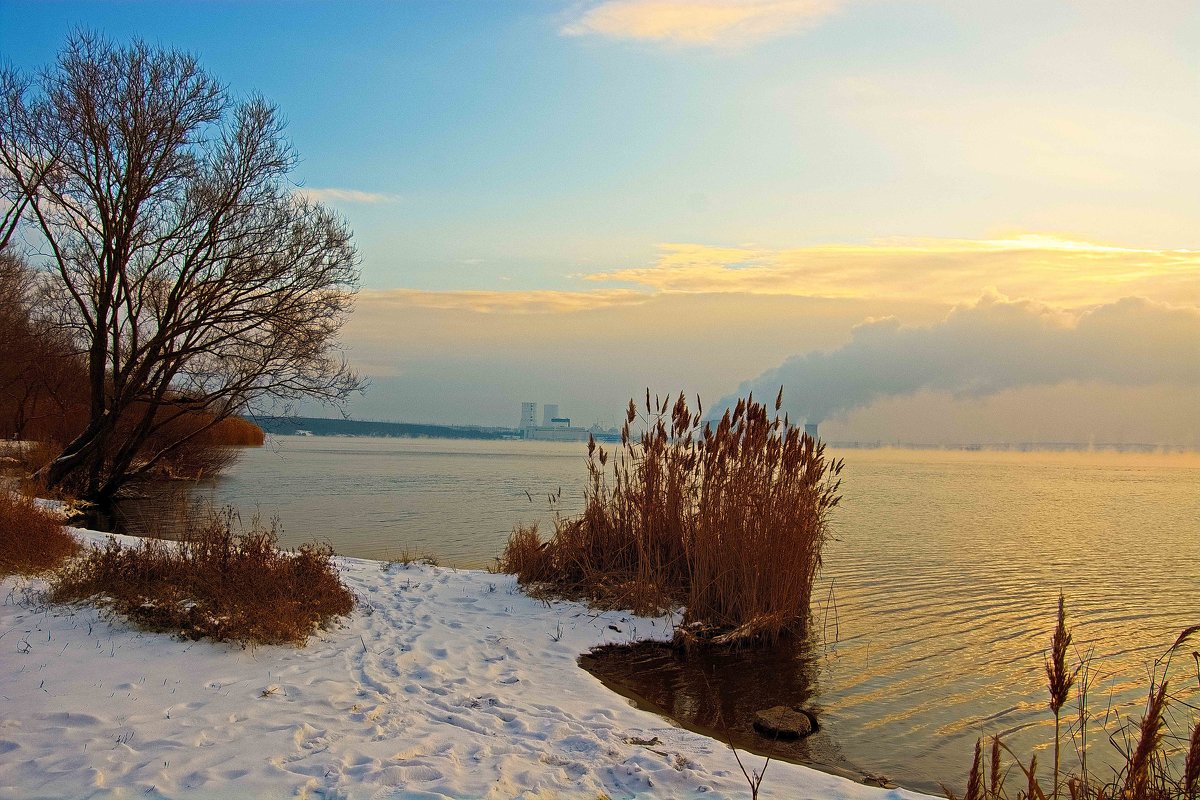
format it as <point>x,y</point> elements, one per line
<point>945,581</point>
<point>937,597</point>
<point>161,509</point>
<point>376,498</point>
<point>717,693</point>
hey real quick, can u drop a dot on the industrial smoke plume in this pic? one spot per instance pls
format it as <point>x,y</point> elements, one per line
<point>989,347</point>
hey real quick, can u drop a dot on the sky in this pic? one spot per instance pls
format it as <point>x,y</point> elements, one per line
<point>942,221</point>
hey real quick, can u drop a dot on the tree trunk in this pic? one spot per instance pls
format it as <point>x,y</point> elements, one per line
<point>79,453</point>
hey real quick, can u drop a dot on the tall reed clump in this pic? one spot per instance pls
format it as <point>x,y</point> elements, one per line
<point>727,520</point>
<point>32,541</point>
<point>1152,764</point>
<point>219,582</point>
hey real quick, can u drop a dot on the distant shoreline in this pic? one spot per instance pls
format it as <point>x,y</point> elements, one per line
<point>319,426</point>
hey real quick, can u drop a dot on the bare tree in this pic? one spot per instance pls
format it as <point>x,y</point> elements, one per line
<point>190,273</point>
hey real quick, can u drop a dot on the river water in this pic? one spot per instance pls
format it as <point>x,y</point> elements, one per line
<point>937,597</point>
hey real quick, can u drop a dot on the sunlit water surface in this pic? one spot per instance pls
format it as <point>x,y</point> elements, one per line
<point>937,597</point>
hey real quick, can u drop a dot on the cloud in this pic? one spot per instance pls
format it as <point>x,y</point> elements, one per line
<point>603,350</point>
<point>332,195</point>
<point>1052,269</point>
<point>700,22</point>
<point>455,357</point>
<point>493,302</point>
<point>992,346</point>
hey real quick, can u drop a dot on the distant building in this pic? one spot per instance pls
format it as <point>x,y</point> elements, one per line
<point>553,428</point>
<point>810,428</point>
<point>528,416</point>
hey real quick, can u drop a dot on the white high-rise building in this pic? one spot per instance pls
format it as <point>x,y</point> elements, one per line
<point>528,416</point>
<point>549,412</point>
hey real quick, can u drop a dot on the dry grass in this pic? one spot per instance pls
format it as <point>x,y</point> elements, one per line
<point>32,542</point>
<point>727,521</point>
<point>220,583</point>
<point>1154,763</point>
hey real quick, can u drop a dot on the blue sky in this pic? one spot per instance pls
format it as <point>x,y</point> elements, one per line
<point>557,172</point>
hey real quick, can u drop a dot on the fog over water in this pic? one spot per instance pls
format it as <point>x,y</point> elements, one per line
<point>938,592</point>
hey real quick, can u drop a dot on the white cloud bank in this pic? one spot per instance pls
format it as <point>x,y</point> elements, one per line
<point>993,346</point>
<point>700,22</point>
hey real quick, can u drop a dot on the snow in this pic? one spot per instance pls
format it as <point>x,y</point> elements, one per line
<point>444,683</point>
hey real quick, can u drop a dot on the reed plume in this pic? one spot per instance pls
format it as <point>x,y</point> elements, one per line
<point>995,779</point>
<point>1191,767</point>
<point>975,776</point>
<point>1033,788</point>
<point>1137,781</point>
<point>1059,680</point>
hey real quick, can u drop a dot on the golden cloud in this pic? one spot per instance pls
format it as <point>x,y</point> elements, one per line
<point>700,22</point>
<point>1049,268</point>
<point>383,301</point>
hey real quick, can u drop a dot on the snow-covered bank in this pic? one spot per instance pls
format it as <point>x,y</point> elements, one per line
<point>443,683</point>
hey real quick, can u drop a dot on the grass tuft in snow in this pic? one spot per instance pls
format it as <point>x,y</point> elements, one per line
<point>221,582</point>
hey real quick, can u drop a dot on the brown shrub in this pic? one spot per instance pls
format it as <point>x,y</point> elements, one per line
<point>216,583</point>
<point>32,542</point>
<point>40,371</point>
<point>196,448</point>
<point>727,521</point>
<point>236,432</point>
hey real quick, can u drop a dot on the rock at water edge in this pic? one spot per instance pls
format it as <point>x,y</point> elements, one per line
<point>782,722</point>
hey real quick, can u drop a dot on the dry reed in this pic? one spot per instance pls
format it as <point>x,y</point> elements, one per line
<point>1137,778</point>
<point>974,777</point>
<point>728,521</point>
<point>1059,680</point>
<point>220,583</point>
<point>995,776</point>
<point>1191,766</point>
<point>1151,768</point>
<point>1033,790</point>
<point>194,451</point>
